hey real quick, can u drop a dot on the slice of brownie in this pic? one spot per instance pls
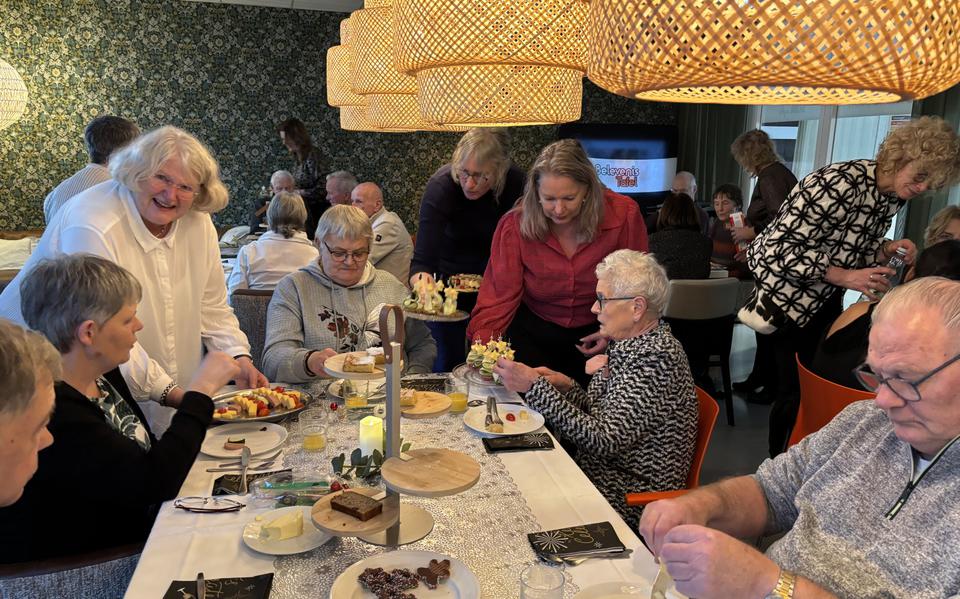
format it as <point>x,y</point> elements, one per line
<point>357,505</point>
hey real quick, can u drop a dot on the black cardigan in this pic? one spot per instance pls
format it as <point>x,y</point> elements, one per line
<point>94,487</point>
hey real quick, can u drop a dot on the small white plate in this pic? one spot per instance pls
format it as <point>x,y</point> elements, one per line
<point>260,437</point>
<point>475,419</point>
<point>462,584</point>
<point>310,539</point>
<point>614,590</point>
<point>334,367</point>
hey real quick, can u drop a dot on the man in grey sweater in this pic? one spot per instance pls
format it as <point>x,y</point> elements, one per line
<point>332,306</point>
<point>868,505</point>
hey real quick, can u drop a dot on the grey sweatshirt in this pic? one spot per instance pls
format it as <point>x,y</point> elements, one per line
<point>831,493</point>
<point>311,312</point>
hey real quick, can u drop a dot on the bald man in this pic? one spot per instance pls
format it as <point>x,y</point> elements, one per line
<point>392,247</point>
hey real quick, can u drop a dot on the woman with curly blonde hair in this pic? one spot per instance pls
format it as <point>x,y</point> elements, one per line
<point>755,153</point>
<point>829,236</point>
<point>943,226</point>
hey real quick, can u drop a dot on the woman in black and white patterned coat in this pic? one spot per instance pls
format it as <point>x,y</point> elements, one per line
<point>635,426</point>
<point>829,236</point>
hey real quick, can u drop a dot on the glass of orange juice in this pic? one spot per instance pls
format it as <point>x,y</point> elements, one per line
<point>458,390</point>
<point>313,430</point>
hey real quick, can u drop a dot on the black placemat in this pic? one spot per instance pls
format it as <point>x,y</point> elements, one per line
<point>247,587</point>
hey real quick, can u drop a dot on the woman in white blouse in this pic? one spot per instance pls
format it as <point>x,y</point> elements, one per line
<point>280,251</point>
<point>153,219</point>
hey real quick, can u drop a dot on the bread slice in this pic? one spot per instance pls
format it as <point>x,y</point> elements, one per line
<point>357,505</point>
<point>358,363</point>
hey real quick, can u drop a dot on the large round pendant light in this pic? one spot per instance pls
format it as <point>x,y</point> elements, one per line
<point>13,95</point>
<point>401,111</point>
<point>775,51</point>
<point>494,62</point>
<point>373,69</point>
<point>339,70</point>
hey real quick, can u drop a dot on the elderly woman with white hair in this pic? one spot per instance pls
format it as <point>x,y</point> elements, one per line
<point>635,426</point>
<point>332,305</point>
<point>280,251</point>
<point>153,219</point>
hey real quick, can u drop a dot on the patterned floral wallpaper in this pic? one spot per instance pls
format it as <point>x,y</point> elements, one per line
<point>226,73</point>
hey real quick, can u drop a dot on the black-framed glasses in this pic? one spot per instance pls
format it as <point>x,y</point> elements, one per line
<point>905,390</point>
<point>208,505</point>
<point>341,255</point>
<point>601,299</point>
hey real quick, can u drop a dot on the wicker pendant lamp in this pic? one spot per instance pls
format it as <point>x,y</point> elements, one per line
<point>775,51</point>
<point>494,62</point>
<point>13,95</point>
<point>401,111</point>
<point>372,41</point>
<point>339,68</point>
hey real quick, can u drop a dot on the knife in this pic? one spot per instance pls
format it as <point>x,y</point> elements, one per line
<point>201,586</point>
<point>244,464</point>
<point>662,583</point>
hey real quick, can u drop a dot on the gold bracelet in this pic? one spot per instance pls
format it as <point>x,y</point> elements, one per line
<point>786,583</point>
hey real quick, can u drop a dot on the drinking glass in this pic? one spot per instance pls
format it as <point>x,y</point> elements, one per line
<point>313,429</point>
<point>541,582</point>
<point>458,390</point>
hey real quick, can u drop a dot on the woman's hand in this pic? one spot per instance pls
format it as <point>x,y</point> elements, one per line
<point>743,234</point>
<point>316,360</point>
<point>516,376</point>
<point>560,381</point>
<point>890,248</point>
<point>249,376</point>
<point>596,364</point>
<point>868,281</point>
<point>216,370</point>
<point>593,344</point>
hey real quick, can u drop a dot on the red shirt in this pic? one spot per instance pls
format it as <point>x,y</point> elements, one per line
<point>556,288</point>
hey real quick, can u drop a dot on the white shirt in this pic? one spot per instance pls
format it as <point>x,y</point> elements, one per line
<point>261,264</point>
<point>83,179</point>
<point>184,305</point>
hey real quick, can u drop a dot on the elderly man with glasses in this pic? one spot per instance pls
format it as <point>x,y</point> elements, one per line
<point>867,505</point>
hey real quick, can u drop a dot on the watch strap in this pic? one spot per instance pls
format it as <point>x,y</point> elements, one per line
<point>786,583</point>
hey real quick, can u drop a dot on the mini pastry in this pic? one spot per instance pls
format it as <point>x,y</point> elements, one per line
<point>357,505</point>
<point>377,354</point>
<point>358,363</point>
<point>408,398</point>
<point>435,573</point>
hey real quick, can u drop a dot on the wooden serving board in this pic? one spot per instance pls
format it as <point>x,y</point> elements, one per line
<point>342,525</point>
<point>429,405</point>
<point>431,472</point>
<point>334,367</point>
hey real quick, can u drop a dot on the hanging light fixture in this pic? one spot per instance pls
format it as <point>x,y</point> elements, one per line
<point>774,51</point>
<point>13,95</point>
<point>399,111</point>
<point>339,67</point>
<point>494,63</point>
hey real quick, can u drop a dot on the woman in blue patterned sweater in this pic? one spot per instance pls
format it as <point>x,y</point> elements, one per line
<point>635,425</point>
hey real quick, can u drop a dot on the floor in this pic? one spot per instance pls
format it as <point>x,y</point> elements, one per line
<point>737,449</point>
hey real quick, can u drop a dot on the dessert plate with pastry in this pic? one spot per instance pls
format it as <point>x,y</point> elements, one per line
<point>423,574</point>
<point>264,404</point>
<point>285,531</point>
<point>368,364</point>
<point>515,420</point>
<point>228,441</point>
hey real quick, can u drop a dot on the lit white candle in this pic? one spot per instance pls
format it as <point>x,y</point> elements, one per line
<point>371,435</point>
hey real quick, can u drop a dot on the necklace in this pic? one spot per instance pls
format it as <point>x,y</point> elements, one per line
<point>164,229</point>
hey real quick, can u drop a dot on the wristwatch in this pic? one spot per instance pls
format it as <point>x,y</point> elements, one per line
<point>784,587</point>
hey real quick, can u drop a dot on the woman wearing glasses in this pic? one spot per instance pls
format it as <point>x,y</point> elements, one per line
<point>635,425</point>
<point>333,305</point>
<point>153,219</point>
<point>539,285</point>
<point>459,211</point>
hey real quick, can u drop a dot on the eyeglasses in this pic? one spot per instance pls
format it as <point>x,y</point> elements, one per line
<point>182,190</point>
<point>601,299</point>
<point>477,178</point>
<point>342,255</point>
<point>208,505</point>
<point>905,390</point>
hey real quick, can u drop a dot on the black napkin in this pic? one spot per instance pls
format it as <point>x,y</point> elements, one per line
<point>229,484</point>
<point>518,442</point>
<point>577,540</point>
<point>248,587</point>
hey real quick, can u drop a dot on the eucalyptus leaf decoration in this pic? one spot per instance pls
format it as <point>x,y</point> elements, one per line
<point>362,466</point>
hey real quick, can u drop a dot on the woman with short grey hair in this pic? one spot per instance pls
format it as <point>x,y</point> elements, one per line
<point>153,219</point>
<point>333,305</point>
<point>635,425</point>
<point>280,251</point>
<point>87,307</point>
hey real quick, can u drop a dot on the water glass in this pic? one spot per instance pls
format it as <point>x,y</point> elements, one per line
<point>313,429</point>
<point>458,390</point>
<point>541,582</point>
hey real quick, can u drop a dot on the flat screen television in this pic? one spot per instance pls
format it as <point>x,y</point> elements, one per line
<point>638,161</point>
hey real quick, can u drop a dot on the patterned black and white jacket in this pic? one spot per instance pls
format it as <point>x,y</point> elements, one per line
<point>636,428</point>
<point>835,216</point>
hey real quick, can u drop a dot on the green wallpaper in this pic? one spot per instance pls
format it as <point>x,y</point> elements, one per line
<point>226,73</point>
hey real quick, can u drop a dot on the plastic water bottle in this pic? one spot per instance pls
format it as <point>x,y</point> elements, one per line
<point>897,262</point>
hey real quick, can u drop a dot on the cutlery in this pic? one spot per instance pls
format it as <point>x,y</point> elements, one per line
<point>492,416</point>
<point>661,584</point>
<point>201,586</point>
<point>271,459</point>
<point>576,560</point>
<point>244,464</point>
<point>257,468</point>
<point>473,403</point>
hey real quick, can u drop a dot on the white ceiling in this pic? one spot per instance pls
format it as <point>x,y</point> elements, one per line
<point>328,5</point>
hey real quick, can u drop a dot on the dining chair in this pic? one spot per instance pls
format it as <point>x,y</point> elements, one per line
<point>701,314</point>
<point>709,410</point>
<point>820,401</point>
<point>101,574</point>
<point>250,306</point>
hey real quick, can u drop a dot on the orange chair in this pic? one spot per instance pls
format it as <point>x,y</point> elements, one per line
<point>709,409</point>
<point>820,401</point>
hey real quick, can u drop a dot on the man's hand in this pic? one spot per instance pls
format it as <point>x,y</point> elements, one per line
<point>516,376</point>
<point>708,564</point>
<point>593,344</point>
<point>216,370</point>
<point>660,517</point>
<point>249,377</point>
<point>316,360</point>
<point>890,248</point>
<point>743,234</point>
<point>560,381</point>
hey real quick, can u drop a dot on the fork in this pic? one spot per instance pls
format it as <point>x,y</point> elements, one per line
<point>492,416</point>
<point>271,459</point>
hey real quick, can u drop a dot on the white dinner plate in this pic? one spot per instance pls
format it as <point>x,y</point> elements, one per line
<point>476,417</point>
<point>260,437</point>
<point>614,590</point>
<point>462,584</point>
<point>310,539</point>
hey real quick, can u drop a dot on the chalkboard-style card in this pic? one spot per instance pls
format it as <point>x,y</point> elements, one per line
<point>247,587</point>
<point>519,442</point>
<point>597,538</point>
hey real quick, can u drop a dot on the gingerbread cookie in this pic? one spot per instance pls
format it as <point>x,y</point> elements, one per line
<point>435,573</point>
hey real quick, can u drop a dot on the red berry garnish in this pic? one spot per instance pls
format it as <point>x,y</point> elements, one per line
<point>334,406</point>
<point>335,486</point>
<point>511,417</point>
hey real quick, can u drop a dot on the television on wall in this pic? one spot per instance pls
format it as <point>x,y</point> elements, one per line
<point>638,161</point>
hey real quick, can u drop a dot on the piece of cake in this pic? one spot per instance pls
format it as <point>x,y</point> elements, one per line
<point>357,505</point>
<point>408,398</point>
<point>234,444</point>
<point>377,353</point>
<point>287,526</point>
<point>358,363</point>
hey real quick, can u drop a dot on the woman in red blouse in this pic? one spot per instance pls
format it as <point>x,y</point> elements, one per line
<point>540,282</point>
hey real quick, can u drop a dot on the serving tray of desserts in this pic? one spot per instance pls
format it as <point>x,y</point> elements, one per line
<point>265,404</point>
<point>359,365</point>
<point>354,512</point>
<point>434,302</point>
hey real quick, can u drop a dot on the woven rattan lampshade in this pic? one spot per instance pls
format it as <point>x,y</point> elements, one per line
<point>338,78</point>
<point>374,71</point>
<point>401,111</point>
<point>499,62</point>
<point>775,51</point>
<point>13,95</point>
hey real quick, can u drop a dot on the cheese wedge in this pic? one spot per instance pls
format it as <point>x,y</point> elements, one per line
<point>287,526</point>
